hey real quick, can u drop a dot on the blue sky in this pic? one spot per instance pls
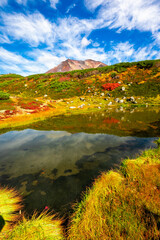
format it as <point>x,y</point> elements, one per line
<point>36,35</point>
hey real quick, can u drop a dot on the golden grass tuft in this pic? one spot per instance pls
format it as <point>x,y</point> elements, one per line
<point>10,204</point>
<point>124,205</point>
<point>44,226</point>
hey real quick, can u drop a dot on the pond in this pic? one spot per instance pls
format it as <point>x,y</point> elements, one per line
<point>52,162</point>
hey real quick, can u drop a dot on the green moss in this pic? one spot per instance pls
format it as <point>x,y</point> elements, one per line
<point>4,96</point>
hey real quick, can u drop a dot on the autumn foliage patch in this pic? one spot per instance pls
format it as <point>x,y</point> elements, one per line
<point>110,86</point>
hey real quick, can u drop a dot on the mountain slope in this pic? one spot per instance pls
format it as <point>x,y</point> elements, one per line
<point>69,65</point>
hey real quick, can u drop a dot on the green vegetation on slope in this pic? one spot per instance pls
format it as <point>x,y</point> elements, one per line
<point>138,78</point>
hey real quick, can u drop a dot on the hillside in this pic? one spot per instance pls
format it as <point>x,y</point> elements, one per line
<point>69,65</point>
<point>40,95</point>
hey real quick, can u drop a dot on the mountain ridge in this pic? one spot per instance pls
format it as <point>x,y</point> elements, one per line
<point>70,65</point>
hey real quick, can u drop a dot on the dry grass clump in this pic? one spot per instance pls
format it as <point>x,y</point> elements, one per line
<point>14,226</point>
<point>124,205</point>
<point>39,227</point>
<point>10,204</point>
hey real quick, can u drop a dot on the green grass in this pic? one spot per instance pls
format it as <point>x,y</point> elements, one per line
<point>39,227</point>
<point>4,96</point>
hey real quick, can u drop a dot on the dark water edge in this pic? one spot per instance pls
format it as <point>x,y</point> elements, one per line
<point>53,163</point>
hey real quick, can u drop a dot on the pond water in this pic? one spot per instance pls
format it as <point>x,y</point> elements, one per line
<point>52,162</point>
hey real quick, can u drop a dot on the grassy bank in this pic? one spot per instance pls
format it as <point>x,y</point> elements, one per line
<point>123,204</point>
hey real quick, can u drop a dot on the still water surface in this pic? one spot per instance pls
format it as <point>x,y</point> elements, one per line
<point>52,163</point>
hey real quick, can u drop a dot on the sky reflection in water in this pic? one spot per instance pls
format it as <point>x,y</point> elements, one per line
<point>51,168</point>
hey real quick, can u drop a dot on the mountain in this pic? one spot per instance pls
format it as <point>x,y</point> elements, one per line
<point>69,65</point>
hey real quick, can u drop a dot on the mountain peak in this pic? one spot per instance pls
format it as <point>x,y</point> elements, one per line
<point>70,64</point>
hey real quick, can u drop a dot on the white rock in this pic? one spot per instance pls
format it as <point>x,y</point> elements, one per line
<point>110,103</point>
<point>72,107</point>
<point>123,88</point>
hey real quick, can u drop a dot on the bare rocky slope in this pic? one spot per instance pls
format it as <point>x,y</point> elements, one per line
<point>69,65</point>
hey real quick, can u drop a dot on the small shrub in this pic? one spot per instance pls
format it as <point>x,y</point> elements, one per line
<point>110,86</point>
<point>113,74</point>
<point>145,64</point>
<point>4,96</point>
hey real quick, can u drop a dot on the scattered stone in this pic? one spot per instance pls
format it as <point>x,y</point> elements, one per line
<point>106,99</point>
<point>82,99</point>
<point>119,82</point>
<point>121,109</point>
<point>132,111</point>
<point>102,94</point>
<point>45,95</point>
<point>108,95</point>
<point>81,106</point>
<point>95,93</point>
<point>123,88</point>
<point>121,101</point>
<point>25,85</point>
<point>72,107</point>
<point>116,100</point>
<point>131,99</point>
<point>99,107</point>
<point>124,98</point>
<point>89,91</point>
<point>110,103</point>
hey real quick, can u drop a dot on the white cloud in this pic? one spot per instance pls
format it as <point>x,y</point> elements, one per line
<point>54,3</point>
<point>4,39</point>
<point>85,42</point>
<point>127,14</point>
<point>41,62</point>
<point>3,3</point>
<point>46,58</point>
<point>93,4</point>
<point>33,29</point>
<point>22,2</point>
<point>70,7</point>
<point>124,52</point>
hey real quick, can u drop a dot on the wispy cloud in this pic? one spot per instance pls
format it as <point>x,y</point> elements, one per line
<point>40,63</point>
<point>124,14</point>
<point>70,7</point>
<point>4,39</point>
<point>124,52</point>
<point>54,3</point>
<point>3,3</point>
<point>33,29</point>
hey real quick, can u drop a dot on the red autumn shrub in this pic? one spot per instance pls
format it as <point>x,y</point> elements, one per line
<point>64,78</point>
<point>110,86</point>
<point>111,120</point>
<point>30,105</point>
